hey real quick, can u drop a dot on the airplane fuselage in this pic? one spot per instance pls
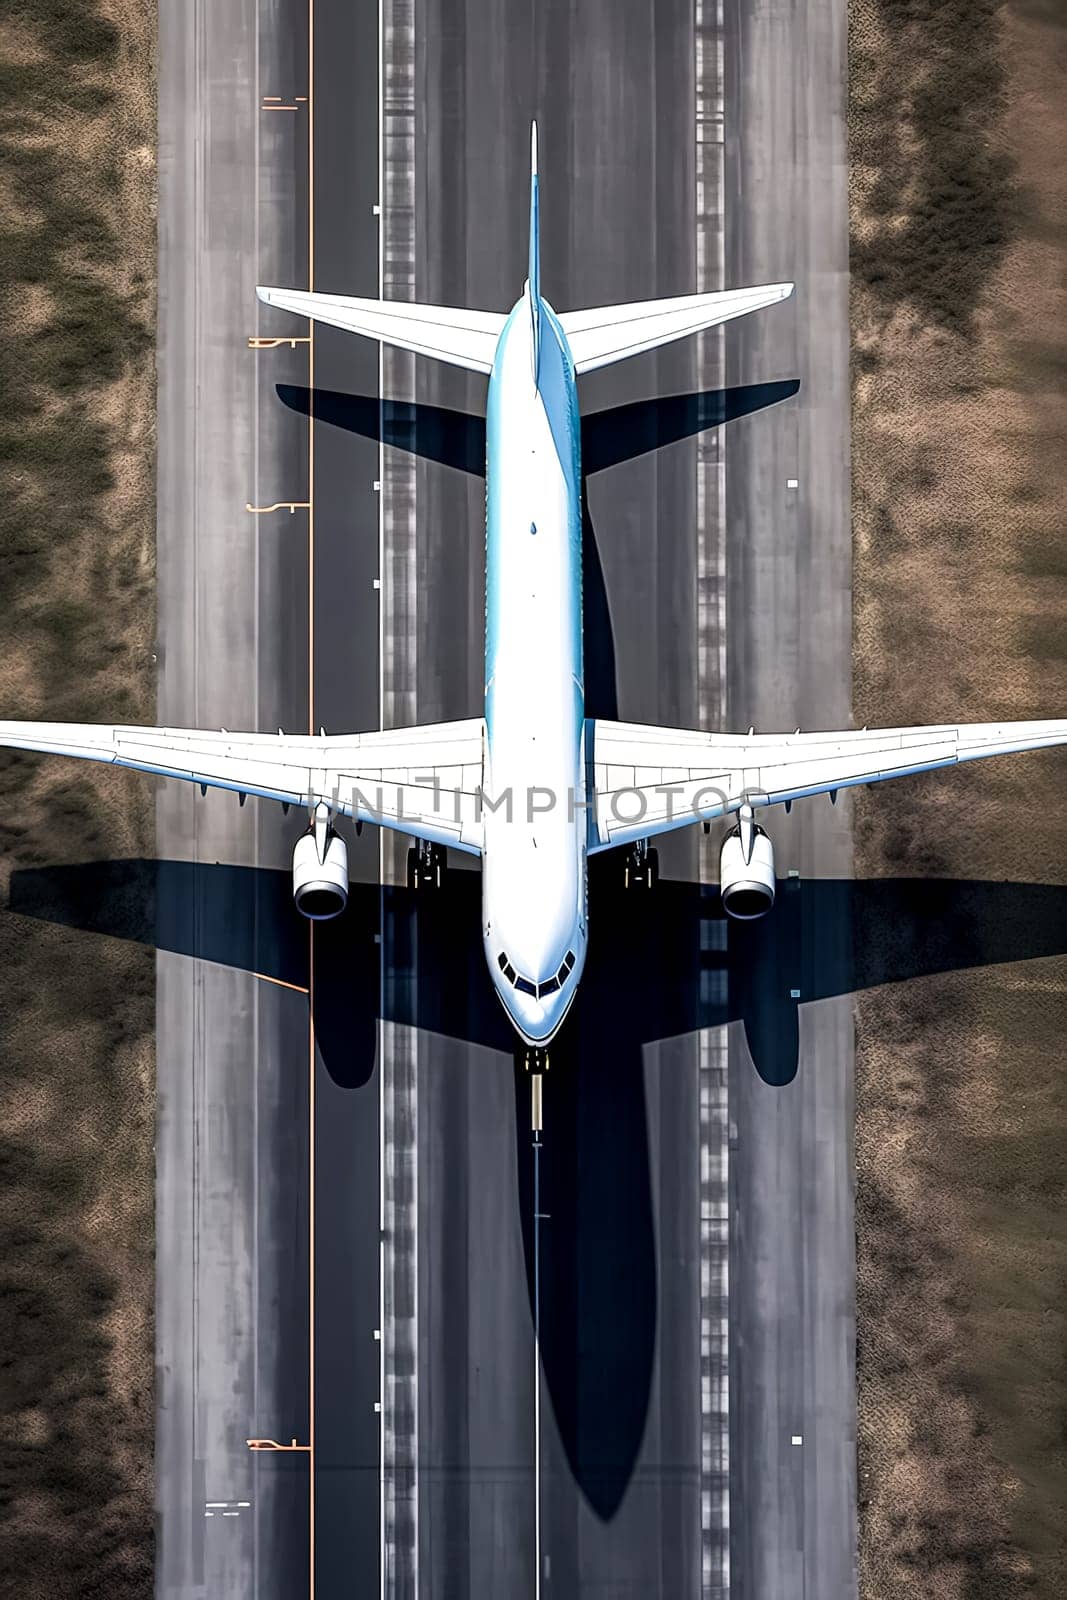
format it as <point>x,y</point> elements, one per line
<point>534,856</point>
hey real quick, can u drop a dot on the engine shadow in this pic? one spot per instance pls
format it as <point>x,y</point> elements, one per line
<point>609,437</point>
<point>661,964</point>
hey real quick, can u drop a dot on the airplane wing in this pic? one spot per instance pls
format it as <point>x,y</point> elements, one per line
<point>421,781</point>
<point>611,333</point>
<point>463,338</point>
<point>651,780</point>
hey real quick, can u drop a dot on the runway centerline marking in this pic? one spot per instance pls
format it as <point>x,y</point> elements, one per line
<point>311,730</point>
<point>537,1216</point>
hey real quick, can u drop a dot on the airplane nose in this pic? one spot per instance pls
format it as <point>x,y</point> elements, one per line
<point>536,1019</point>
<point>537,1006</point>
<point>529,1015</point>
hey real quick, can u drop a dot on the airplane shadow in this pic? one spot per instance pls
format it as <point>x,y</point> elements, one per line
<point>660,965</point>
<point>609,437</point>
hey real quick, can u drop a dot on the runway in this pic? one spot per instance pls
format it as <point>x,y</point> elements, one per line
<point>268,1130</point>
<point>232,1135</point>
<point>284,1247</point>
<point>789,654</point>
<point>620,1446</point>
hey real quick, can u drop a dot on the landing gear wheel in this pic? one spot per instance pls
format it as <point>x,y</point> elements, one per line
<point>534,1061</point>
<point>426,865</point>
<point>641,869</point>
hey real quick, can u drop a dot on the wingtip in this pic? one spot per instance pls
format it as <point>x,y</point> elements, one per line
<point>263,293</point>
<point>533,148</point>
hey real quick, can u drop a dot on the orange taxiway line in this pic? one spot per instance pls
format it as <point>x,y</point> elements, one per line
<point>262,341</point>
<point>265,977</point>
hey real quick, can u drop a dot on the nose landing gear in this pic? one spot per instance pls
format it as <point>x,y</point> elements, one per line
<point>535,1062</point>
<point>641,867</point>
<point>426,865</point>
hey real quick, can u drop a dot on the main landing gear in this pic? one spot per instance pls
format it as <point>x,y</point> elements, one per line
<point>641,868</point>
<point>426,865</point>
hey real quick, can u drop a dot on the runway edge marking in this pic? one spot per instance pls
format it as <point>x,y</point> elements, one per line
<point>398,1044</point>
<point>713,1058</point>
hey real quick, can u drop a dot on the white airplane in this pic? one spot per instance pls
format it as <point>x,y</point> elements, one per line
<point>533,786</point>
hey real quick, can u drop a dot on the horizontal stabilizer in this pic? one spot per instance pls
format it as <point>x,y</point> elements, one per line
<point>462,338</point>
<point>611,333</point>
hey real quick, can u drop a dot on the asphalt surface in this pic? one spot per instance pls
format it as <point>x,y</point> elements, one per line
<point>240,1091</point>
<point>259,1333</point>
<point>346,694</point>
<point>789,654</point>
<point>232,1141</point>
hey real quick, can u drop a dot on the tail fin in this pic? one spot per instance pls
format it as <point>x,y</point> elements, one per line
<point>533,276</point>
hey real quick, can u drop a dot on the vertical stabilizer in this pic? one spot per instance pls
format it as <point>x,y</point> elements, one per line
<point>533,279</point>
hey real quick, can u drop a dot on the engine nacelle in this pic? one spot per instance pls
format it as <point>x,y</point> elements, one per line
<point>747,887</point>
<point>320,886</point>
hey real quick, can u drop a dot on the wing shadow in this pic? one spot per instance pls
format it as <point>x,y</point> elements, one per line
<point>457,438</point>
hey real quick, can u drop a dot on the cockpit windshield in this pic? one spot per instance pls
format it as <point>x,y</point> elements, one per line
<point>528,986</point>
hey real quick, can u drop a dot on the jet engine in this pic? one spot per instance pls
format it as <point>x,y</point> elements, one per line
<point>746,870</point>
<point>320,870</point>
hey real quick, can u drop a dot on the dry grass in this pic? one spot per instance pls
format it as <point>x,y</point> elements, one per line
<point>77,270</point>
<point>959,219</point>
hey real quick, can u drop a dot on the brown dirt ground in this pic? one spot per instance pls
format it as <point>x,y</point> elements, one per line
<point>958,124</point>
<point>77,549</point>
